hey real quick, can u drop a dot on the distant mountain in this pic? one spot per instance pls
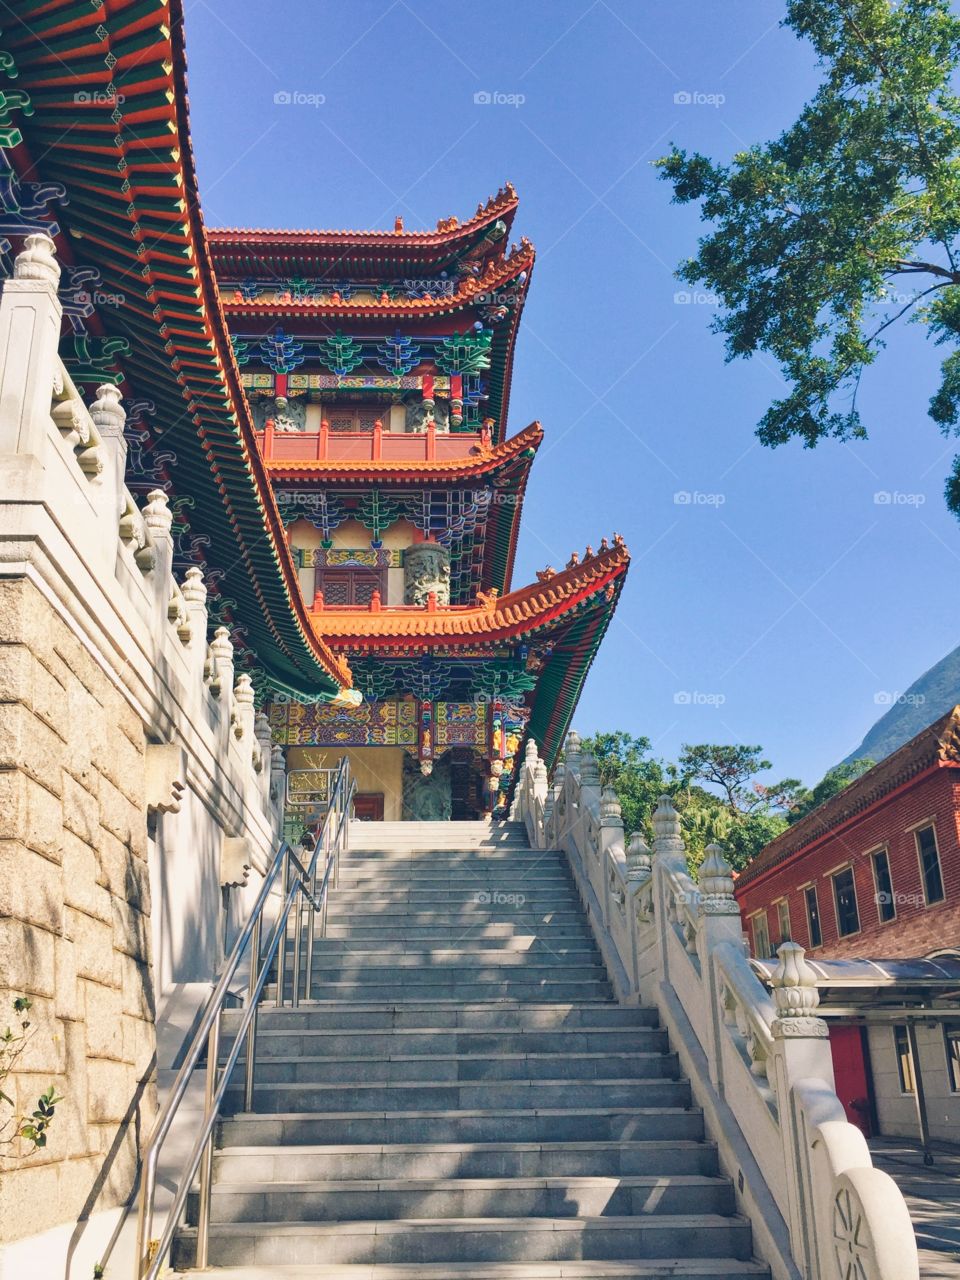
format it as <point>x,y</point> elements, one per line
<point>935,693</point>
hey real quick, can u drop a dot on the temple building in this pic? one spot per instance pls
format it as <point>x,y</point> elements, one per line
<point>377,367</point>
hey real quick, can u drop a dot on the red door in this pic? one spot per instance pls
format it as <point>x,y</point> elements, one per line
<point>850,1071</point>
<point>368,806</point>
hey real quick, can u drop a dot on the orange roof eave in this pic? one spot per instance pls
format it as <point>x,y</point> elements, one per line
<point>504,203</point>
<point>491,618</point>
<point>472,294</point>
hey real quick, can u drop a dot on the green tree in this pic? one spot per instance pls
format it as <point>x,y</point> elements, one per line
<point>742,818</point>
<point>846,223</point>
<point>626,765</point>
<point>754,812</point>
<point>831,784</point>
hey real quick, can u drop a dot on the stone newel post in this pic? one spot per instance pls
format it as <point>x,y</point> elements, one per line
<point>109,416</point>
<point>30,315</point>
<point>194,592</point>
<point>158,518</point>
<point>719,922</point>
<point>801,1051</point>
<point>244,711</point>
<point>572,751</point>
<point>668,851</point>
<point>278,780</point>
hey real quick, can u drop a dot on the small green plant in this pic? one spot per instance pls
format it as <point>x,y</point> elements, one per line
<point>32,1128</point>
<point>98,1271</point>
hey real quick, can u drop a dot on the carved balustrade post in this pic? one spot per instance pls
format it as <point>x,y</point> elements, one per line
<point>278,781</point>
<point>611,833</point>
<point>669,853</point>
<point>572,752</point>
<point>801,1051</point>
<point>719,921</point>
<point>221,654</point>
<point>550,809</point>
<point>264,737</point>
<point>639,903</point>
<point>194,594</point>
<point>30,314</point>
<point>109,417</point>
<point>158,518</point>
<point>243,714</point>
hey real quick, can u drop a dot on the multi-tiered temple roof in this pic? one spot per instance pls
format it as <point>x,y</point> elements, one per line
<point>327,410</point>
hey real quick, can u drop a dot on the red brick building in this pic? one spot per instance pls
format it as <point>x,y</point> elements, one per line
<point>874,871</point>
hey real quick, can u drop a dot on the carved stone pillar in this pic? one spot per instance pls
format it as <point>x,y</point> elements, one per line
<point>801,1053</point>
<point>244,710</point>
<point>29,336</point>
<point>194,592</point>
<point>426,571</point>
<point>109,416</point>
<point>158,518</point>
<point>719,923</point>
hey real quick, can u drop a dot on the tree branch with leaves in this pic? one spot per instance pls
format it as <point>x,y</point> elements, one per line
<point>30,1128</point>
<point>811,232</point>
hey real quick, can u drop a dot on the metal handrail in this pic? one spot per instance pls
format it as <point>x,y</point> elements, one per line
<point>298,884</point>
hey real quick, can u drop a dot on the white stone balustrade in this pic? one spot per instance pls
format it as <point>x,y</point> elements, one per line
<point>759,1064</point>
<point>69,522</point>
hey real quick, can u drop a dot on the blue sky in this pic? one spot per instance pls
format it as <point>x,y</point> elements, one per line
<point>783,603</point>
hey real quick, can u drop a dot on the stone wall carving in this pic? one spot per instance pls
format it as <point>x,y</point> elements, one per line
<point>426,569</point>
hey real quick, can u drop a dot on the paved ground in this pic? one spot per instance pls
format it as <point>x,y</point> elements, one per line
<point>933,1195</point>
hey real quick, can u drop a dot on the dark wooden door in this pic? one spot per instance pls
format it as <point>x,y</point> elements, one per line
<point>368,806</point>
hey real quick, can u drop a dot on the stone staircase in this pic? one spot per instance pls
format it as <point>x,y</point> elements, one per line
<point>466,1099</point>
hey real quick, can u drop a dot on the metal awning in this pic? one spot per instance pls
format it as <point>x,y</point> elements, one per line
<point>918,985</point>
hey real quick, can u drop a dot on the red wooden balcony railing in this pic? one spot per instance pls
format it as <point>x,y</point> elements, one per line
<point>367,446</point>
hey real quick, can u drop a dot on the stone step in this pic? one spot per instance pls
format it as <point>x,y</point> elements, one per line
<point>519,949</point>
<point>408,1068</point>
<point>440,1095</point>
<point>380,899</point>
<point>473,1240</point>
<point>455,990</point>
<point>444,851</point>
<point>391,1199</point>
<point>419,1014</point>
<point>650,1269</point>
<point>277,1042</point>
<point>349,968</point>
<point>416,872</point>
<point>477,931</point>
<point>462,1097</point>
<point>503,853</point>
<point>449,1160</point>
<point>577,1123</point>
<point>516,880</point>
<point>466,915</point>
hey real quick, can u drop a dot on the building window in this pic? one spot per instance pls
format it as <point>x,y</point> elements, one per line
<point>951,1044</point>
<point>930,864</point>
<point>783,919</point>
<point>901,1044</point>
<point>355,417</point>
<point>845,900</point>
<point>350,586</point>
<point>886,907</point>
<point>813,916</point>
<point>761,936</point>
